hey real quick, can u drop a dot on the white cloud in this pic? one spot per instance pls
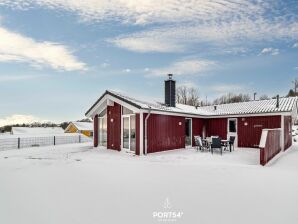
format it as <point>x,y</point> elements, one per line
<point>16,47</point>
<point>295,45</point>
<point>184,67</point>
<point>270,50</point>
<point>105,65</point>
<point>127,70</point>
<point>226,88</point>
<point>235,34</point>
<point>187,84</point>
<point>20,119</point>
<point>183,24</point>
<point>149,11</point>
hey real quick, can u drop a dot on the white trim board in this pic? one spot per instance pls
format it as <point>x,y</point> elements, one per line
<point>102,104</point>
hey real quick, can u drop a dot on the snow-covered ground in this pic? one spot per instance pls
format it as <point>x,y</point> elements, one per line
<point>77,184</point>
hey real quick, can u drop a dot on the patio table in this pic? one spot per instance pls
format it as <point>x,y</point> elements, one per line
<point>208,142</point>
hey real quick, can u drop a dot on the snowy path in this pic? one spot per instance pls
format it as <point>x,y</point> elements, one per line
<point>77,184</point>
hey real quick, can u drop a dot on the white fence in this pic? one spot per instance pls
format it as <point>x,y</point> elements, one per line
<point>25,142</point>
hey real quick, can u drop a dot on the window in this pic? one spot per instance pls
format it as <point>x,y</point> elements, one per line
<point>232,126</point>
<point>126,111</point>
<point>103,113</point>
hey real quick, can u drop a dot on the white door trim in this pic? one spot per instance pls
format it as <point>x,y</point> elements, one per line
<point>122,144</point>
<point>141,134</point>
<point>129,129</point>
<point>233,133</point>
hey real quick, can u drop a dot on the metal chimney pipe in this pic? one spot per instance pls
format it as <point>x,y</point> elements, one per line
<point>277,101</point>
<point>170,91</point>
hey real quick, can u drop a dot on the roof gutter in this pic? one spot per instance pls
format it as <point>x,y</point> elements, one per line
<point>146,132</point>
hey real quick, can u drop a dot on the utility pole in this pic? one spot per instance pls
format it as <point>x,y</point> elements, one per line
<point>295,82</point>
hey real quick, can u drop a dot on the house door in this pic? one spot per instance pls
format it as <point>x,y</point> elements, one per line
<point>188,132</point>
<point>129,133</point>
<point>232,129</point>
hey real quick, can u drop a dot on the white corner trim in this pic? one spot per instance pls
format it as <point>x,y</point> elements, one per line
<point>282,135</point>
<point>141,134</point>
<point>263,139</point>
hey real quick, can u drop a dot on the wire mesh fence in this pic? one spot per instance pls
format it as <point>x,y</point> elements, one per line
<point>25,142</point>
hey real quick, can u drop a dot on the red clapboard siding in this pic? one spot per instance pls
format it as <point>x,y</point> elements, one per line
<point>288,130</point>
<point>272,146</point>
<point>249,135</point>
<point>197,128</point>
<point>137,134</point>
<point>95,127</point>
<point>165,133</point>
<point>217,127</point>
<point>114,128</point>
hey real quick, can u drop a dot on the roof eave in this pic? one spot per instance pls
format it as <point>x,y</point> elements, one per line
<point>88,113</point>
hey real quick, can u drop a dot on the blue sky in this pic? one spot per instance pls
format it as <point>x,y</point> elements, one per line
<point>57,57</point>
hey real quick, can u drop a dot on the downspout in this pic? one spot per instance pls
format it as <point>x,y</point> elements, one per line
<point>146,137</point>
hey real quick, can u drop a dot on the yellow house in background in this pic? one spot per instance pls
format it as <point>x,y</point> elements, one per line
<point>85,128</point>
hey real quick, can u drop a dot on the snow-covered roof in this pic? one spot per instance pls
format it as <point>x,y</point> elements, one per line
<point>252,107</point>
<point>37,130</point>
<point>83,126</point>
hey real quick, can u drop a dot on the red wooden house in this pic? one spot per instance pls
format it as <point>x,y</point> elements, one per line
<point>125,123</point>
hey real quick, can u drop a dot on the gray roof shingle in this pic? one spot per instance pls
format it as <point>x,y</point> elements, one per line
<point>251,107</point>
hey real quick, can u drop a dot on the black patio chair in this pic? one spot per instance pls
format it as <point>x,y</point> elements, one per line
<point>216,144</point>
<point>198,143</point>
<point>232,141</point>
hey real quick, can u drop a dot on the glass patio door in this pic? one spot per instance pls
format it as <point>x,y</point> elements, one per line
<point>188,132</point>
<point>102,128</point>
<point>232,130</point>
<point>125,132</point>
<point>129,133</point>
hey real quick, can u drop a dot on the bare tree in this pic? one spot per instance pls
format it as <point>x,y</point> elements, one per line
<point>295,82</point>
<point>193,97</point>
<point>188,96</point>
<point>264,97</point>
<point>232,98</point>
<point>182,94</point>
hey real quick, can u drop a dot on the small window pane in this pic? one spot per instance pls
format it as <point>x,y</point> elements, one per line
<point>232,126</point>
<point>103,113</point>
<point>132,133</point>
<point>126,111</point>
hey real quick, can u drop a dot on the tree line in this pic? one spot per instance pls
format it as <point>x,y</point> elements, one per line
<point>190,96</point>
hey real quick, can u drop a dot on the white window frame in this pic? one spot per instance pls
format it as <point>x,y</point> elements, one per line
<point>189,146</point>
<point>233,133</point>
<point>129,117</point>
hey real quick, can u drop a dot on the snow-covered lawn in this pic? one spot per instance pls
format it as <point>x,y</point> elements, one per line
<point>75,184</point>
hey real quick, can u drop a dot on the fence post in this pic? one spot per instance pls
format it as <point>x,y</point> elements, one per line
<point>19,142</point>
<point>54,140</point>
<point>79,138</point>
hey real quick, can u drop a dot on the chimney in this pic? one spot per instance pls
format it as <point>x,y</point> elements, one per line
<point>170,92</point>
<point>277,101</point>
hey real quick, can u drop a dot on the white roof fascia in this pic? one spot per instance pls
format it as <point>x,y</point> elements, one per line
<point>154,111</point>
<point>98,108</point>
